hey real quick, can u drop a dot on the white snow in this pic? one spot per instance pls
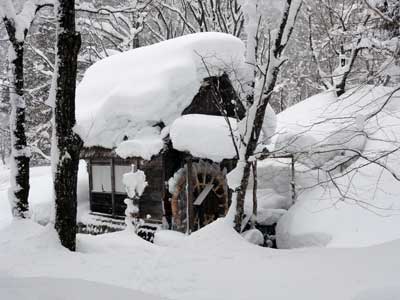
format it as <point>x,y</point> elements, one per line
<point>135,183</point>
<point>214,263</point>
<point>40,194</point>
<point>360,207</point>
<point>147,143</point>
<point>45,288</point>
<point>122,96</point>
<point>269,125</point>
<point>253,236</point>
<point>205,136</point>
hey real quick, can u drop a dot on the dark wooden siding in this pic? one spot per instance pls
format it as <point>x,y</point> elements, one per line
<point>151,201</point>
<point>101,203</point>
<point>216,94</point>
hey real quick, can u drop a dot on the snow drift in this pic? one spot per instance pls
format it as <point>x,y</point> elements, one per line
<point>347,170</point>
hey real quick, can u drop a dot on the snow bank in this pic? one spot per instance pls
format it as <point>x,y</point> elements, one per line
<point>45,288</point>
<point>205,136</point>
<point>204,266</point>
<point>361,207</point>
<point>380,292</point>
<point>40,194</point>
<point>325,128</point>
<point>123,95</point>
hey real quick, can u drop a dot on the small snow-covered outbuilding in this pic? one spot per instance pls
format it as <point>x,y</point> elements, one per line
<point>164,108</point>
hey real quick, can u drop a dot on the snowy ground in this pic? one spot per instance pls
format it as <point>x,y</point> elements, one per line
<point>40,194</point>
<point>42,288</point>
<point>214,263</point>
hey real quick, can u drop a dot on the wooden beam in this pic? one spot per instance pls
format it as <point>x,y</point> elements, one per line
<point>113,187</point>
<point>199,200</point>
<point>293,181</point>
<point>90,182</point>
<point>189,196</point>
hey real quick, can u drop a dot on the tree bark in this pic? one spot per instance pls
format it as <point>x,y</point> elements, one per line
<point>66,143</point>
<point>20,154</point>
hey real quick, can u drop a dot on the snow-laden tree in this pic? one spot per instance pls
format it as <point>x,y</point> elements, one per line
<point>111,26</point>
<point>259,92</point>
<point>347,44</point>
<point>65,143</point>
<point>17,21</point>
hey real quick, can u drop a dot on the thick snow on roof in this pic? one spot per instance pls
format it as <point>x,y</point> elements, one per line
<point>123,95</point>
<point>205,136</point>
<point>210,137</point>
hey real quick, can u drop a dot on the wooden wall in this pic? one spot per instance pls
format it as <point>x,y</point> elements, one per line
<point>113,203</point>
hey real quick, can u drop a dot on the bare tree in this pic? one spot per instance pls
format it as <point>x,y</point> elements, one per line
<point>17,26</point>
<point>259,97</point>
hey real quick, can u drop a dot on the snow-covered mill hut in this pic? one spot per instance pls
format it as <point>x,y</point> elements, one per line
<point>164,108</point>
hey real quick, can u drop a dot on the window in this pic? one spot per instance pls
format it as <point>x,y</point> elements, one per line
<point>101,175</point>
<point>120,170</point>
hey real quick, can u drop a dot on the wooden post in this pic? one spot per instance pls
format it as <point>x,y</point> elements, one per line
<point>90,183</point>
<point>292,182</point>
<point>113,187</point>
<point>255,184</point>
<point>189,196</point>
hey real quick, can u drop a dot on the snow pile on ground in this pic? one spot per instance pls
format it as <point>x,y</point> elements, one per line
<point>122,96</point>
<point>214,263</point>
<point>205,136</point>
<point>356,203</point>
<point>40,194</point>
<point>43,288</point>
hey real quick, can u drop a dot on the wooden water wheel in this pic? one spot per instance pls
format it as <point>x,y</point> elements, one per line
<point>210,195</point>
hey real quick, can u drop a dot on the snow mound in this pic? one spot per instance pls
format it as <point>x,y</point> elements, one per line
<point>123,95</point>
<point>356,204</point>
<point>40,194</point>
<point>45,288</point>
<point>324,130</point>
<point>253,236</point>
<point>205,266</point>
<point>205,136</point>
<point>381,293</point>
<point>169,238</point>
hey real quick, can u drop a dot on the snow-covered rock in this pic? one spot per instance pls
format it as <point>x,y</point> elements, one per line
<point>253,236</point>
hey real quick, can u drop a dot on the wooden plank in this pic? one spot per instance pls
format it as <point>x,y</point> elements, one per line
<point>189,196</point>
<point>203,194</point>
<point>113,187</point>
<point>90,183</point>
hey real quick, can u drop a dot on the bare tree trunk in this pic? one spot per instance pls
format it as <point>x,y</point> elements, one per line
<point>20,154</point>
<point>255,186</point>
<point>256,112</point>
<point>66,144</point>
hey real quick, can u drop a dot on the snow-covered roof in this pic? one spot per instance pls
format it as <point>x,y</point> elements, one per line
<point>205,136</point>
<point>126,95</point>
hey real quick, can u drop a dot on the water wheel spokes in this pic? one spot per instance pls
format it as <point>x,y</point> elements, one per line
<point>215,203</point>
